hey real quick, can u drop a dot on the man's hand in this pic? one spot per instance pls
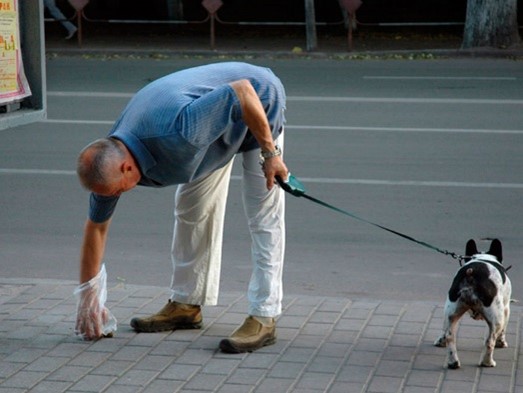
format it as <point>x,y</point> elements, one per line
<point>93,319</point>
<point>273,167</point>
<point>91,316</point>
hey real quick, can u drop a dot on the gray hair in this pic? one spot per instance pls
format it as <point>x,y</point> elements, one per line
<point>98,163</point>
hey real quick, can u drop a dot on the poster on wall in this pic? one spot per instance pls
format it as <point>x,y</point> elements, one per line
<point>13,83</point>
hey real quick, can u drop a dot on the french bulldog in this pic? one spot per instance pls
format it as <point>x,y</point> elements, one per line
<point>481,287</point>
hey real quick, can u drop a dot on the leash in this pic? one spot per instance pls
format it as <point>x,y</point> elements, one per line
<point>294,187</point>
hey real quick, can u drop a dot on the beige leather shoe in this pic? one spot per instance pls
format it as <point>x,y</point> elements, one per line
<point>172,316</point>
<point>252,335</point>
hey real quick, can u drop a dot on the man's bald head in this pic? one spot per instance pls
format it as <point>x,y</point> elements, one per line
<point>99,163</point>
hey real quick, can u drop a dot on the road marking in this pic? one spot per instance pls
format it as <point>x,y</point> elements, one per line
<point>444,78</point>
<point>395,100</point>
<point>311,180</point>
<point>408,100</point>
<point>328,128</point>
<point>97,94</point>
<point>423,183</point>
<point>14,171</point>
<point>403,129</point>
<point>65,121</point>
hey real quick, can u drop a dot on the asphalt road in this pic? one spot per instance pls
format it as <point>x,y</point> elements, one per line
<point>429,148</point>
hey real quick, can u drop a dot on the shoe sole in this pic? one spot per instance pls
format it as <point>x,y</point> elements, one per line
<point>228,347</point>
<point>158,327</point>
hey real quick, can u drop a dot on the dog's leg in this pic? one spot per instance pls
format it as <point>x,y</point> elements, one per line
<point>495,329</point>
<point>453,362</point>
<point>501,341</point>
<point>496,319</point>
<point>449,309</point>
<point>450,327</point>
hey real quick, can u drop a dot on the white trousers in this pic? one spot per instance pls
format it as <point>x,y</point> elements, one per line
<point>198,235</point>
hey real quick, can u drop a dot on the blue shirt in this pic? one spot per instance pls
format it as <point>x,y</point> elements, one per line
<point>189,123</point>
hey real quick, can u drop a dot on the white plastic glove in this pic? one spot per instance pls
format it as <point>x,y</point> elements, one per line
<point>93,319</point>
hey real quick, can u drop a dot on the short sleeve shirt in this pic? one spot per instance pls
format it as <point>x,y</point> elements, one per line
<point>187,124</point>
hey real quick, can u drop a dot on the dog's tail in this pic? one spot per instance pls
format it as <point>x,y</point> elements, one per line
<point>469,295</point>
<point>471,284</point>
<point>464,286</point>
<point>467,291</point>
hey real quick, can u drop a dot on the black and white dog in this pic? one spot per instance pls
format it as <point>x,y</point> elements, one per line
<point>481,287</point>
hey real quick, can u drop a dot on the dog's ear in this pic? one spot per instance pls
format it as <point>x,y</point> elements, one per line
<point>496,250</point>
<point>470,249</point>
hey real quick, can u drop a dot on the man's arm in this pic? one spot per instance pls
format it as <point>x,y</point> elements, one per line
<point>92,316</point>
<point>93,248</point>
<point>256,119</point>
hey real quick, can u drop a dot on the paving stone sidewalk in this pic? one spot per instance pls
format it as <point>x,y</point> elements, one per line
<point>324,345</point>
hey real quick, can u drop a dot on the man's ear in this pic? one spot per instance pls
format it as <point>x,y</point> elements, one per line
<point>126,167</point>
<point>123,166</point>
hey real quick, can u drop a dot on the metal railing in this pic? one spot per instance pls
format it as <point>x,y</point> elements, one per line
<point>212,18</point>
<point>212,7</point>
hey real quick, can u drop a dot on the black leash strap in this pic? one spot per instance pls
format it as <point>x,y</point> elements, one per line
<point>294,187</point>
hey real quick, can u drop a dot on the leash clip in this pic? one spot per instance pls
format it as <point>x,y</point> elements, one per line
<point>460,259</point>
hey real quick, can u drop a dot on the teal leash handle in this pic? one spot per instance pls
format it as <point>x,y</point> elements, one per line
<point>294,187</point>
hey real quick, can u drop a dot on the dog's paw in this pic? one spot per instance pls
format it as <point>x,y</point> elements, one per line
<point>488,363</point>
<point>440,342</point>
<point>454,365</point>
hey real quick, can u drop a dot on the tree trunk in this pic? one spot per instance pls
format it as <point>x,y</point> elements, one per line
<point>491,23</point>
